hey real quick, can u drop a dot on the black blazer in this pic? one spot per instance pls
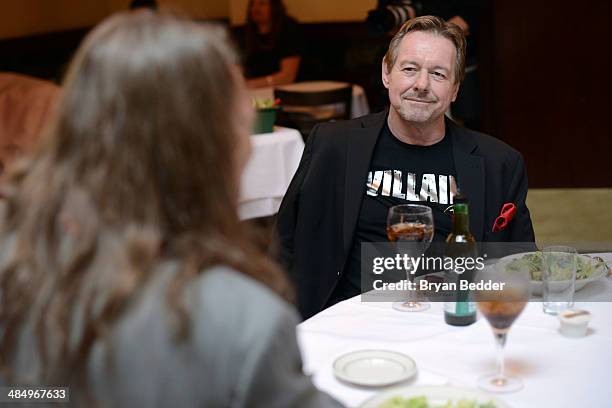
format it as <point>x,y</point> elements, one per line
<point>318,215</point>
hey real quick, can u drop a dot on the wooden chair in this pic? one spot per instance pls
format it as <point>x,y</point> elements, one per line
<point>302,110</point>
<point>26,105</point>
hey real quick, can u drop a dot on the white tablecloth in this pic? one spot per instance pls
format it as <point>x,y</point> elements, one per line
<point>556,371</point>
<point>274,160</point>
<point>360,105</point>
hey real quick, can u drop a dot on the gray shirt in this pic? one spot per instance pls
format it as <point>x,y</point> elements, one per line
<point>241,351</point>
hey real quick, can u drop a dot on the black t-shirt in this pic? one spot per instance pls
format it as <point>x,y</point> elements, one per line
<point>265,58</point>
<point>400,174</point>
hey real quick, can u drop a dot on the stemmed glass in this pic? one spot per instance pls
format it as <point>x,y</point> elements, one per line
<point>413,225</point>
<point>501,308</point>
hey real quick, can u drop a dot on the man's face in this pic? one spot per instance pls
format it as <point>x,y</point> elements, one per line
<point>421,83</point>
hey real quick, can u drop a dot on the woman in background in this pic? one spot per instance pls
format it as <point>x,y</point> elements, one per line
<point>150,4</point>
<point>272,45</point>
<point>125,273</point>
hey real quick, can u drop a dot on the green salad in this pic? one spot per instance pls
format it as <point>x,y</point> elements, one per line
<point>423,402</point>
<point>585,267</point>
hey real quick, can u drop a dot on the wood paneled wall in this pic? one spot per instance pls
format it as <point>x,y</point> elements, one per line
<point>20,18</point>
<point>548,89</point>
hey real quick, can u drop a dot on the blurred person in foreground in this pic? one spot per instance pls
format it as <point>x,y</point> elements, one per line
<point>125,273</point>
<point>351,172</point>
<point>272,45</point>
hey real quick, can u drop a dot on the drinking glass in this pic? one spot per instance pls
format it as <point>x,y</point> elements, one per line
<point>501,308</point>
<point>413,226</point>
<point>558,278</point>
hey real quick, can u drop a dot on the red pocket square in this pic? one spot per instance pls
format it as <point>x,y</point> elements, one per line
<point>508,212</point>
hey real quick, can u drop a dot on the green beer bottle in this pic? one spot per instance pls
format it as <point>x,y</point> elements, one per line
<point>460,243</point>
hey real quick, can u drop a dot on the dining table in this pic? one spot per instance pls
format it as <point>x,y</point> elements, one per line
<point>556,371</point>
<point>359,103</point>
<point>274,159</point>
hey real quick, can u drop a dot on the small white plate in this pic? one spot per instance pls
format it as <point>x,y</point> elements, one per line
<point>374,368</point>
<point>436,395</point>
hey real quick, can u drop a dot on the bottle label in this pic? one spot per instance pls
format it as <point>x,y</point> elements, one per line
<point>460,308</point>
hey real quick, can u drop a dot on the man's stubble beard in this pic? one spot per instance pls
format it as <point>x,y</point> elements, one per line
<point>412,114</point>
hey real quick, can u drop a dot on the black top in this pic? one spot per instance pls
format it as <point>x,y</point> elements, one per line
<point>268,49</point>
<point>401,173</point>
<point>317,220</point>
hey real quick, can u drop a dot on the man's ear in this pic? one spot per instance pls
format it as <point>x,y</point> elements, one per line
<point>385,76</point>
<point>456,91</point>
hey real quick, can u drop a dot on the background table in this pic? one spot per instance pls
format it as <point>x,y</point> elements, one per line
<point>359,107</point>
<point>266,177</point>
<point>556,371</point>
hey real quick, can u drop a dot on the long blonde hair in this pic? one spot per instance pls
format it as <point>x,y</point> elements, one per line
<point>138,166</point>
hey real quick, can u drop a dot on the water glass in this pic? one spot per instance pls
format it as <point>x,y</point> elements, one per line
<point>558,278</point>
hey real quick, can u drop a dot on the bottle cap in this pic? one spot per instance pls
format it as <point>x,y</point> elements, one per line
<point>459,199</point>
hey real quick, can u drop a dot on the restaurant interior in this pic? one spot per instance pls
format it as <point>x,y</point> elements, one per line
<point>37,38</point>
<point>541,85</point>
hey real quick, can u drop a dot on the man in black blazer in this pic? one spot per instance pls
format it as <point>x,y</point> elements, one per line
<point>351,172</point>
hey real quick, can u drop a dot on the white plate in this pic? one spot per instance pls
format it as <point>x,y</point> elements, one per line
<point>436,395</point>
<point>374,368</point>
<point>536,285</point>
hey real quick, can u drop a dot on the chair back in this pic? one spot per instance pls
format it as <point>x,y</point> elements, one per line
<point>26,105</point>
<point>302,109</point>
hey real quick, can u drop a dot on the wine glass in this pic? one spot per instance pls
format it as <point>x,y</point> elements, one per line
<point>413,225</point>
<point>501,308</point>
